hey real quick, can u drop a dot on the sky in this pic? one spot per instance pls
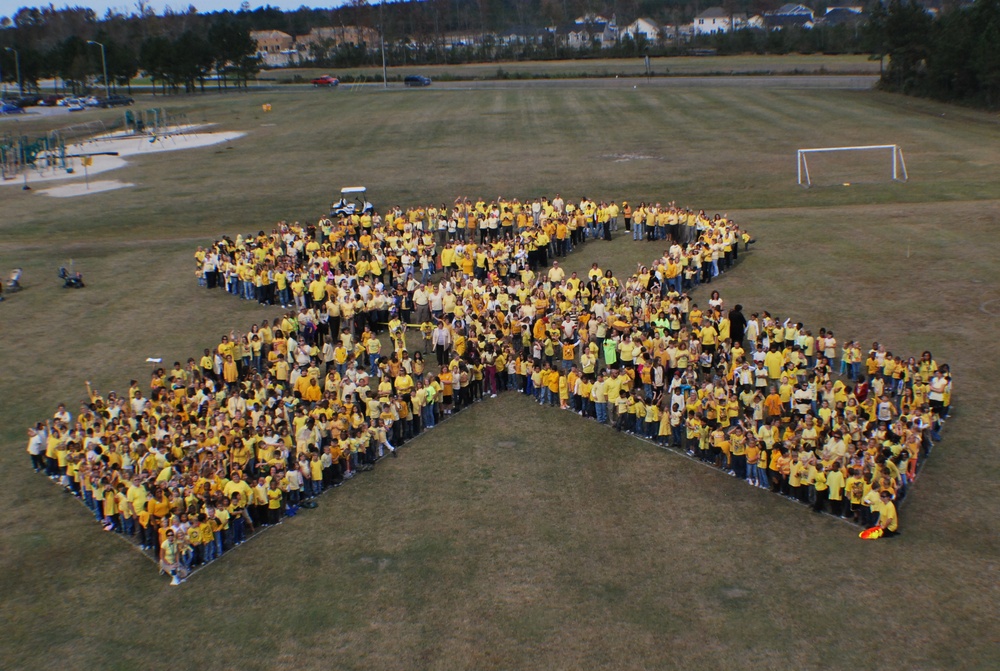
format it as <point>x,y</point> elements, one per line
<point>9,7</point>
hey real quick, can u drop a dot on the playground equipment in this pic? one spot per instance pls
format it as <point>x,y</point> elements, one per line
<point>18,153</point>
<point>22,156</point>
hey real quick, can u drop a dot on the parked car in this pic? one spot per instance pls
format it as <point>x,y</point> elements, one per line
<point>91,101</point>
<point>50,101</point>
<point>117,100</point>
<point>417,80</point>
<point>75,104</point>
<point>28,101</point>
<point>11,108</point>
<point>326,80</point>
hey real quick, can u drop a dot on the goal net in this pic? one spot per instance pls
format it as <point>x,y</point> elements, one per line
<point>851,164</point>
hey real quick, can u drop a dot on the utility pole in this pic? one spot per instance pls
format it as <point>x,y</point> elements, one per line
<point>104,64</point>
<point>381,32</point>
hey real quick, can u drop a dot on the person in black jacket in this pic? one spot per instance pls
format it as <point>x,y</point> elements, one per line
<point>737,325</point>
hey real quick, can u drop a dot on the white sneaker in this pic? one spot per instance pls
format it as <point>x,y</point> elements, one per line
<point>175,581</point>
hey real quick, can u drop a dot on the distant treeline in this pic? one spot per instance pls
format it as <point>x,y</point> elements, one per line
<point>176,50</point>
<point>953,57</point>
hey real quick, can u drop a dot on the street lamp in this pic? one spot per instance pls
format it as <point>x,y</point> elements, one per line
<point>381,34</point>
<point>17,65</point>
<point>104,64</point>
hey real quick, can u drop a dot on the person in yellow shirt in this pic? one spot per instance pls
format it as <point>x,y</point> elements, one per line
<point>274,502</point>
<point>821,486</point>
<point>836,484</point>
<point>888,519</point>
<point>551,382</point>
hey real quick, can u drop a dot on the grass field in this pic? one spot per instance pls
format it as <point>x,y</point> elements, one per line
<point>676,66</point>
<point>606,67</point>
<point>516,537</point>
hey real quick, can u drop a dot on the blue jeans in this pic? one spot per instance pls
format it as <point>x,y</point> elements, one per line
<point>427,414</point>
<point>218,543</point>
<point>637,231</point>
<point>602,412</point>
<point>237,526</point>
<point>208,551</point>
<point>762,474</point>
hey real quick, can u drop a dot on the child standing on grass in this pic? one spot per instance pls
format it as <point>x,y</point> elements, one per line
<point>170,557</point>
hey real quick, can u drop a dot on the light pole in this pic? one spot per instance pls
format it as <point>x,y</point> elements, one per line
<point>17,65</point>
<point>381,30</point>
<point>104,64</point>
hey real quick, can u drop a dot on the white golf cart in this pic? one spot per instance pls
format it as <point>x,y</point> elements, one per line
<point>347,206</point>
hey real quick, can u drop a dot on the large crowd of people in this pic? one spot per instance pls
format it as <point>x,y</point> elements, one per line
<point>390,323</point>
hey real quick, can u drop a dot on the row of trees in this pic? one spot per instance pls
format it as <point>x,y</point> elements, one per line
<point>177,51</point>
<point>955,57</point>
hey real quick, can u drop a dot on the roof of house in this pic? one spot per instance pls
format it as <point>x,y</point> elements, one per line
<point>713,13</point>
<point>269,34</point>
<point>786,20</point>
<point>792,9</point>
<point>523,31</point>
<point>841,15</point>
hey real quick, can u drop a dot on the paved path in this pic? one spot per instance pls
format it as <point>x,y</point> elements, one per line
<point>851,82</point>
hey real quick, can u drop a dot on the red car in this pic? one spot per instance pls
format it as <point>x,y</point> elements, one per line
<point>325,80</point>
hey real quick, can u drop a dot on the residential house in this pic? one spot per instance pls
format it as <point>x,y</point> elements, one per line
<point>275,48</point>
<point>849,5</point>
<point>585,35</point>
<point>839,16</point>
<point>788,16</point>
<point>717,20</point>
<point>519,35</point>
<point>331,37</point>
<point>461,39</point>
<point>647,28</point>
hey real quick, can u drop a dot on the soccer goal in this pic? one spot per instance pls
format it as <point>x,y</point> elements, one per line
<point>898,164</point>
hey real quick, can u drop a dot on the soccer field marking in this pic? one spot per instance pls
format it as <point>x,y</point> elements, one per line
<point>991,307</point>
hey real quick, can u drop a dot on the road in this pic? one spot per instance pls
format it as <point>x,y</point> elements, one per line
<point>848,82</point>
